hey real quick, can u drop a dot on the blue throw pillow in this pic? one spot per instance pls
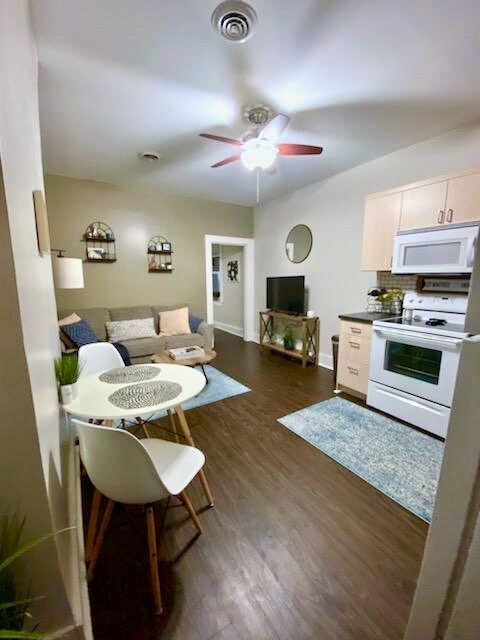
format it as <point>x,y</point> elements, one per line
<point>194,323</point>
<point>80,333</point>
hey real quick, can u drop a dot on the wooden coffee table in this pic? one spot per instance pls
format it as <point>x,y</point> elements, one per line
<point>164,357</point>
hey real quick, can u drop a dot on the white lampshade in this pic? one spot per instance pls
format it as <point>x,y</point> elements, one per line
<point>68,273</point>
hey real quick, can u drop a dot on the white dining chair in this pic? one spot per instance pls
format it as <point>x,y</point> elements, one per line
<point>132,471</point>
<point>97,357</point>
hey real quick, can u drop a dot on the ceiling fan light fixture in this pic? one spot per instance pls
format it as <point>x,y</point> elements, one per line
<point>258,154</point>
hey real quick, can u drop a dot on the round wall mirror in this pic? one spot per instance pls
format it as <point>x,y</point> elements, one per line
<point>299,243</point>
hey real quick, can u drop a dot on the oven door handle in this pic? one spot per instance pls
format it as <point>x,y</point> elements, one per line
<point>422,339</point>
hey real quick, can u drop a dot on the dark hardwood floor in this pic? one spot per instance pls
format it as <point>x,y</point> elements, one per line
<point>296,548</point>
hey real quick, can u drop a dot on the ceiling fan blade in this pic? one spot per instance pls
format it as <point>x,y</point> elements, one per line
<point>226,161</point>
<point>286,149</point>
<point>274,129</point>
<point>210,136</point>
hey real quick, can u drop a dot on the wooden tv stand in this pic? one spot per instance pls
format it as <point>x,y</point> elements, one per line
<point>309,334</point>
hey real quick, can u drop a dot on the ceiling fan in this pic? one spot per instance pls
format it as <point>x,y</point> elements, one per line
<point>259,148</point>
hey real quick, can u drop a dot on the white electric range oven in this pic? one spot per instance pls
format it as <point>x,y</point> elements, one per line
<point>414,360</point>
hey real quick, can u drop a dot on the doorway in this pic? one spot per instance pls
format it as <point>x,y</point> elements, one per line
<point>229,284</point>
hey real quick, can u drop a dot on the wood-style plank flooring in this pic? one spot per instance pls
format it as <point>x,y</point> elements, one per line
<point>296,548</point>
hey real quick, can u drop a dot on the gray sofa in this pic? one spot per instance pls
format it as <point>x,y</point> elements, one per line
<point>142,349</point>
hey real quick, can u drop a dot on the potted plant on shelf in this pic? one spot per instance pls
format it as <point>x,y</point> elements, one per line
<point>288,339</point>
<point>67,372</point>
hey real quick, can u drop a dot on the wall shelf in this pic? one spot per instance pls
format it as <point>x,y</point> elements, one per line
<point>159,252</point>
<point>100,244</point>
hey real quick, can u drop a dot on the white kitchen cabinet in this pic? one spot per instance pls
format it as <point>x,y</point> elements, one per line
<point>381,223</point>
<point>424,206</point>
<point>463,199</point>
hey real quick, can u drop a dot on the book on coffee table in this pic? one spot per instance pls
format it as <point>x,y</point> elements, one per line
<point>183,353</point>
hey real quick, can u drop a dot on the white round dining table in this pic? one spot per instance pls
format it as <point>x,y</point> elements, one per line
<point>93,396</point>
<point>93,401</point>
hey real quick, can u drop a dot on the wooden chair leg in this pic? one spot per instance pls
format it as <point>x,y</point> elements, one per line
<point>189,507</point>
<point>174,424</point>
<point>100,537</point>
<point>144,428</point>
<point>92,524</point>
<point>188,435</point>
<point>152,552</point>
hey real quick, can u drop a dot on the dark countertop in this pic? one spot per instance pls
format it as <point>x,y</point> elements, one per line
<point>368,318</point>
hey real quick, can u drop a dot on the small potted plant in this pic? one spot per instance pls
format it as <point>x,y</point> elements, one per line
<point>288,339</point>
<point>67,371</point>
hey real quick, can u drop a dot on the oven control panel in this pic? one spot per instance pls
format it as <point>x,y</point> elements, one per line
<point>435,302</point>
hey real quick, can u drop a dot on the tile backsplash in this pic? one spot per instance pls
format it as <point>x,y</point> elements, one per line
<point>389,280</point>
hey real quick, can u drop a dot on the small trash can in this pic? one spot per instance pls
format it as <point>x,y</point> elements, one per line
<point>335,340</point>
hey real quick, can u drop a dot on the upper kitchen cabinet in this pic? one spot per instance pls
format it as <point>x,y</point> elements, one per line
<point>463,198</point>
<point>381,222</point>
<point>424,206</point>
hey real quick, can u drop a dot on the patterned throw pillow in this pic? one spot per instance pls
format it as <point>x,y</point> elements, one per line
<point>80,333</point>
<point>119,330</point>
<point>64,339</point>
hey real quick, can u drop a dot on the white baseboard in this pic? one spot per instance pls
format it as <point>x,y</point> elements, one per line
<point>325,360</point>
<point>256,338</point>
<point>229,328</point>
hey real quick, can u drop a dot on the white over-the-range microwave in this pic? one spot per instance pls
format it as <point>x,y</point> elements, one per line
<point>436,250</point>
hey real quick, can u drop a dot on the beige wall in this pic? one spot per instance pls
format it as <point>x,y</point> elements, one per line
<point>135,217</point>
<point>333,209</point>
<point>34,442</point>
<point>230,311</point>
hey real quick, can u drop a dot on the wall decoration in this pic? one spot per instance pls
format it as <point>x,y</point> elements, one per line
<point>41,221</point>
<point>233,270</point>
<point>159,251</point>
<point>99,243</point>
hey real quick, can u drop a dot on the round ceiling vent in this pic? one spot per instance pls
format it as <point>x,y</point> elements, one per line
<point>234,20</point>
<point>149,155</point>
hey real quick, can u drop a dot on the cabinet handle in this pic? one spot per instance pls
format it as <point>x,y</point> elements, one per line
<point>450,215</point>
<point>355,330</point>
<point>354,345</point>
<point>441,216</point>
<point>352,370</point>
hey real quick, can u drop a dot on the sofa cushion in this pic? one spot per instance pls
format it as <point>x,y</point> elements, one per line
<point>131,313</point>
<point>190,340</point>
<point>156,309</point>
<point>174,322</point>
<point>144,346</point>
<point>64,339</point>
<point>96,318</point>
<point>118,330</point>
<point>80,333</point>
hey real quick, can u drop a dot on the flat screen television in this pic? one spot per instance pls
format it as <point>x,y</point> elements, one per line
<point>286,293</point>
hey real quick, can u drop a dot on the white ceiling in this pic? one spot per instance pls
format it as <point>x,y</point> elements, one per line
<point>359,77</point>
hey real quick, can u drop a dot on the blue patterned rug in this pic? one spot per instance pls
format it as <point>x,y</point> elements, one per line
<point>399,461</point>
<point>219,387</point>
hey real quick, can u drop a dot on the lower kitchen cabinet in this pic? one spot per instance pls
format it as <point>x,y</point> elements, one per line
<point>354,357</point>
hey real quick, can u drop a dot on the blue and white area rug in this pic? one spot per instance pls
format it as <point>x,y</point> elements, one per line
<point>399,461</point>
<point>219,387</point>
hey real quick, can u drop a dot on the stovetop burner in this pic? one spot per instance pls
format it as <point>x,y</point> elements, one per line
<point>436,322</point>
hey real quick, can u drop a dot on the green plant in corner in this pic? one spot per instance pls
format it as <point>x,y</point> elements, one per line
<point>14,607</point>
<point>67,369</point>
<point>288,338</point>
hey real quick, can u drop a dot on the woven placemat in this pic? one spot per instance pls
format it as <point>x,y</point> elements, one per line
<point>129,374</point>
<point>138,396</point>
